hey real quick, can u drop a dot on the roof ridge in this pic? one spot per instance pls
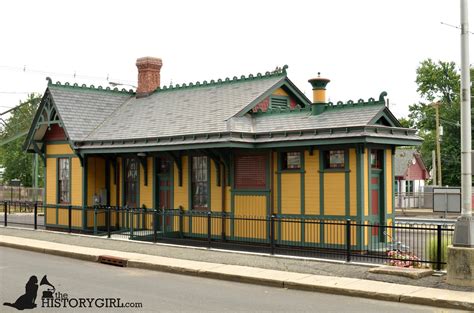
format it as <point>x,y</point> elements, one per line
<point>351,103</point>
<point>91,87</point>
<point>279,71</point>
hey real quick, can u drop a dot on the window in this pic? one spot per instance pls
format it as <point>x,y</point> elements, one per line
<point>250,171</point>
<point>376,159</point>
<point>291,160</point>
<point>334,159</point>
<point>64,181</point>
<point>409,186</point>
<point>131,182</point>
<point>199,182</point>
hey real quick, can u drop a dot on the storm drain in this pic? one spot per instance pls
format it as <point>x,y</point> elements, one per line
<point>113,260</point>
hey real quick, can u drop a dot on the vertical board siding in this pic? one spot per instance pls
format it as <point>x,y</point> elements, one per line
<point>181,192</point>
<point>311,183</point>
<point>275,182</point>
<point>389,181</point>
<point>113,187</point>
<point>366,186</point>
<point>95,178</point>
<point>334,194</point>
<point>250,206</point>
<point>290,193</point>
<point>76,182</point>
<point>216,191</point>
<point>50,215</point>
<point>146,192</point>
<point>51,181</point>
<point>353,182</point>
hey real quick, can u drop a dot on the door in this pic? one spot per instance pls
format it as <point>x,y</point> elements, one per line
<point>163,190</point>
<point>377,211</point>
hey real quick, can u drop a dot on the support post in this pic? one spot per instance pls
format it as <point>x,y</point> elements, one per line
<point>5,222</point>
<point>35,212</point>
<point>69,218</point>
<point>272,234</point>
<point>181,221</point>
<point>108,221</point>
<point>348,240</point>
<point>155,224</point>
<point>438,248</point>
<point>209,229</point>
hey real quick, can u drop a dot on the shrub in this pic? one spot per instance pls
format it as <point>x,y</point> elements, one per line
<point>403,259</point>
<point>432,250</point>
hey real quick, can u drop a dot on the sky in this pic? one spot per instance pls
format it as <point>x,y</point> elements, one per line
<point>364,47</point>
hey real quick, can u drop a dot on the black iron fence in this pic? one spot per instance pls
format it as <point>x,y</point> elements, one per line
<point>399,244</point>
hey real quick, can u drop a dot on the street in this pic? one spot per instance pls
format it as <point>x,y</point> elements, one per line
<point>165,292</point>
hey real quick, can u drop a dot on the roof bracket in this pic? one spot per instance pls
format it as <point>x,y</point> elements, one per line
<point>38,151</point>
<point>144,163</point>
<point>179,165</point>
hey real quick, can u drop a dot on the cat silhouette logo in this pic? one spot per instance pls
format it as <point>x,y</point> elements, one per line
<point>27,300</point>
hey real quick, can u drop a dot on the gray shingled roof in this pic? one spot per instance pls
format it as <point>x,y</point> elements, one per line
<point>402,159</point>
<point>83,110</point>
<point>182,112</point>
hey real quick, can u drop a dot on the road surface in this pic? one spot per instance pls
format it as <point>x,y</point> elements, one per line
<point>164,292</point>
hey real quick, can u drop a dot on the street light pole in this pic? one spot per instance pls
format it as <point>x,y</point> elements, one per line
<point>464,230</point>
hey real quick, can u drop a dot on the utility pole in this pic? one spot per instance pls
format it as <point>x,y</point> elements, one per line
<point>438,145</point>
<point>433,166</point>
<point>464,230</point>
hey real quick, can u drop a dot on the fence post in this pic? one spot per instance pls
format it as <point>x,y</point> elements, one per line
<point>272,234</point>
<point>5,216</point>
<point>69,218</point>
<point>155,224</point>
<point>163,220</point>
<point>348,240</point>
<point>108,221</point>
<point>131,221</point>
<point>35,212</point>
<point>223,217</point>
<point>209,229</point>
<point>95,219</point>
<point>181,221</point>
<point>438,250</point>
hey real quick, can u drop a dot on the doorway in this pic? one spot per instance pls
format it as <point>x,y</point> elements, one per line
<point>163,191</point>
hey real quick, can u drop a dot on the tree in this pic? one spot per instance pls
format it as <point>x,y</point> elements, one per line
<point>16,162</point>
<point>439,82</point>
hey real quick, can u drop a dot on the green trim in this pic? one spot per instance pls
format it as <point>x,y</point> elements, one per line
<point>84,87</point>
<point>302,194</point>
<point>71,155</point>
<point>85,168</point>
<point>153,183</point>
<point>250,192</point>
<point>347,182</point>
<point>321,191</point>
<point>56,142</point>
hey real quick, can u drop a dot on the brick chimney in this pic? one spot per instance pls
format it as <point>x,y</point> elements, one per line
<point>148,75</point>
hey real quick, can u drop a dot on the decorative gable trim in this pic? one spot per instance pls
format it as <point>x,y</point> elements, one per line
<point>387,117</point>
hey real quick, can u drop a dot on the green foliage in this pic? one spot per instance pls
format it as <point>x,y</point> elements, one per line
<point>439,82</point>
<point>16,162</point>
<point>432,250</point>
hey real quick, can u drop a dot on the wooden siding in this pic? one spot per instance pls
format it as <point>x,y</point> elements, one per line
<point>279,92</point>
<point>181,193</point>
<point>95,178</point>
<point>146,192</point>
<point>334,193</point>
<point>353,182</point>
<point>58,149</point>
<point>51,181</point>
<point>76,182</point>
<point>290,192</point>
<point>312,196</point>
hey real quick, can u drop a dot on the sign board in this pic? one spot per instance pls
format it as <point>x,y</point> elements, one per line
<point>447,200</point>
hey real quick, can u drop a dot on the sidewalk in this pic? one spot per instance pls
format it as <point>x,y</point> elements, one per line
<point>274,271</point>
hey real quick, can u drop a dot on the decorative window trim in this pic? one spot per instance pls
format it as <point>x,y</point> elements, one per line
<point>58,181</point>
<point>326,168</point>
<point>281,162</point>
<point>207,183</point>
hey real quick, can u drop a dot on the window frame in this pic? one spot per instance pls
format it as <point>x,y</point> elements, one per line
<point>207,183</point>
<point>58,180</point>
<point>282,158</point>
<point>326,160</point>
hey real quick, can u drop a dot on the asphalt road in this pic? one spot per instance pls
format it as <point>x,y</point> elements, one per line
<point>164,292</point>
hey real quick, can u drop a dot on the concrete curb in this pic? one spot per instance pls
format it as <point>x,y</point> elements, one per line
<point>327,284</point>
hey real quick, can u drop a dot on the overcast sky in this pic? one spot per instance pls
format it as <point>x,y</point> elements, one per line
<point>364,47</point>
